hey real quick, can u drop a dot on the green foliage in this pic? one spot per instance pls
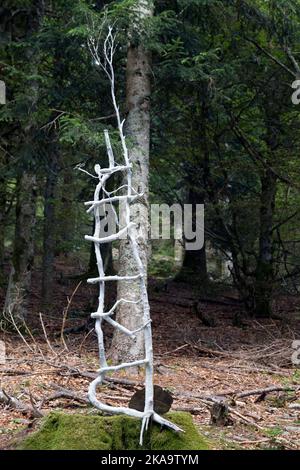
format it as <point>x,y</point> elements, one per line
<point>221,114</point>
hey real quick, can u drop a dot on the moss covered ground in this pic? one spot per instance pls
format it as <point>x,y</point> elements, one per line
<point>60,431</point>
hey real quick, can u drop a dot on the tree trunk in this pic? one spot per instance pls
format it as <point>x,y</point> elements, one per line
<point>264,275</point>
<point>23,253</point>
<point>66,231</point>
<point>2,225</point>
<point>194,261</point>
<point>49,229</point>
<point>138,131</point>
<point>264,278</point>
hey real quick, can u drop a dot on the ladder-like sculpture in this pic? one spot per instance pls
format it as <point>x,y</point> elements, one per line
<point>103,197</point>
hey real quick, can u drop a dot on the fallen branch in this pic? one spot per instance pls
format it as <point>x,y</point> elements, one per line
<point>211,352</point>
<point>265,391</point>
<point>91,375</point>
<point>13,402</point>
<point>188,409</point>
<point>65,393</point>
<point>175,350</point>
<point>235,394</point>
<point>245,419</point>
<point>16,372</point>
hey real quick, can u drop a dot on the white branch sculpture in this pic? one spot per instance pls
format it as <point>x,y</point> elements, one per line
<point>103,174</point>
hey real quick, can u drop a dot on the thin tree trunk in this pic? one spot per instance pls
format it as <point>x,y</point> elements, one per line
<point>2,225</point>
<point>16,302</point>
<point>138,133</point>
<point>194,261</point>
<point>23,253</point>
<point>49,229</point>
<point>264,278</point>
<point>67,209</point>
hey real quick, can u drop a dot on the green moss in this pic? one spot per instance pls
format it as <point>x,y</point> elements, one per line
<point>60,431</point>
<point>169,440</point>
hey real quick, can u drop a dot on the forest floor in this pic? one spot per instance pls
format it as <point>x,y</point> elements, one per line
<point>244,362</point>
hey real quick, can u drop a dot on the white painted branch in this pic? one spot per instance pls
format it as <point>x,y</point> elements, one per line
<point>141,327</point>
<point>110,238</point>
<point>124,365</point>
<point>112,310</point>
<point>109,149</point>
<point>124,410</point>
<point>103,174</point>
<point>110,171</point>
<point>94,280</point>
<point>112,199</point>
<point>120,327</point>
<point>124,186</point>
<point>98,329</point>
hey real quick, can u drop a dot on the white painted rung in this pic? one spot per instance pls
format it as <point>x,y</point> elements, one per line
<point>104,171</point>
<point>112,310</point>
<point>112,199</point>
<point>110,238</point>
<point>123,366</point>
<point>94,280</point>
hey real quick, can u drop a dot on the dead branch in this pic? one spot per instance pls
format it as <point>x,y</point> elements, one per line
<point>45,335</point>
<point>15,372</point>
<point>72,395</point>
<point>12,402</point>
<point>188,409</point>
<point>65,314</point>
<point>211,352</point>
<point>265,391</point>
<point>65,393</point>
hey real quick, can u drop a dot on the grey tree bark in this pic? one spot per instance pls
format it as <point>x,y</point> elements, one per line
<point>137,129</point>
<point>2,224</point>
<point>49,229</point>
<point>67,207</point>
<point>15,308</point>
<point>23,251</point>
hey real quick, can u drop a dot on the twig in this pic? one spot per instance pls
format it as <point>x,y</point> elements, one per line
<point>65,393</point>
<point>245,419</point>
<point>273,58</point>
<point>211,352</point>
<point>175,350</point>
<point>85,338</point>
<point>65,313</point>
<point>19,332</point>
<point>45,335</point>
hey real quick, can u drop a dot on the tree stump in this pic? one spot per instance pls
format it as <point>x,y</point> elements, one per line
<point>219,414</point>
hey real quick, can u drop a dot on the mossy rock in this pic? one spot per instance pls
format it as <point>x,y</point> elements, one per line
<point>60,431</point>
